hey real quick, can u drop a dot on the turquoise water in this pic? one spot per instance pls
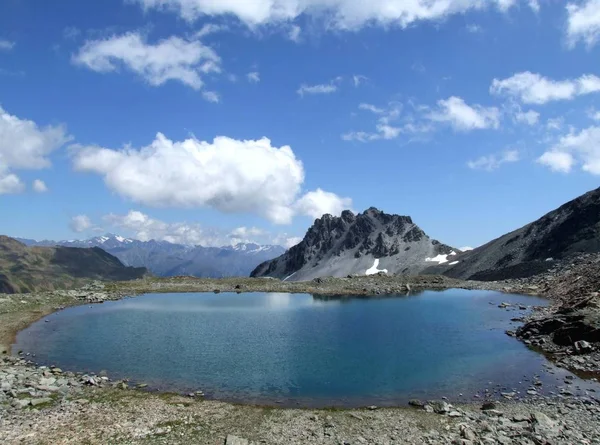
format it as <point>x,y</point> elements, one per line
<point>295,348</point>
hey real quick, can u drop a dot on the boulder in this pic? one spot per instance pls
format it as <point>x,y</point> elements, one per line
<point>234,440</point>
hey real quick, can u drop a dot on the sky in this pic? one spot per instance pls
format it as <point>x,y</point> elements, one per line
<point>220,121</point>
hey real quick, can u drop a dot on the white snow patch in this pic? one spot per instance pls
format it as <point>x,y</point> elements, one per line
<point>120,239</point>
<point>440,259</point>
<point>102,239</point>
<point>453,263</point>
<point>289,276</point>
<point>465,249</point>
<point>373,270</point>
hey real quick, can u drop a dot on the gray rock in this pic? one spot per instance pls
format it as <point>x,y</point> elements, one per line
<point>20,403</point>
<point>234,440</point>
<point>42,401</point>
<point>543,425</point>
<point>582,347</point>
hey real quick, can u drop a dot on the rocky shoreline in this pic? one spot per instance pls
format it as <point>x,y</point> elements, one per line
<point>47,405</point>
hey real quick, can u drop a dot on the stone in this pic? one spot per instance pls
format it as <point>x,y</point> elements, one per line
<point>582,347</point>
<point>416,403</point>
<point>454,414</point>
<point>42,401</point>
<point>441,407</point>
<point>543,425</point>
<point>20,403</point>
<point>489,405</point>
<point>234,440</point>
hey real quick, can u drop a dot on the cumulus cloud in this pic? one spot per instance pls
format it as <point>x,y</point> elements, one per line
<point>24,145</point>
<point>583,22</point>
<point>39,186</point>
<point>318,202</point>
<point>533,88</point>
<point>339,14</point>
<point>177,59</point>
<point>80,223</point>
<point>6,45</point>
<point>463,117</point>
<point>494,161</point>
<point>327,88</point>
<point>229,175</point>
<point>253,77</point>
<point>581,148</point>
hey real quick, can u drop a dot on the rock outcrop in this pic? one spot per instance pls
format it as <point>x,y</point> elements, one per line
<point>368,243</point>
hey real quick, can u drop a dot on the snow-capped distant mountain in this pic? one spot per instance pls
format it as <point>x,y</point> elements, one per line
<point>167,259</point>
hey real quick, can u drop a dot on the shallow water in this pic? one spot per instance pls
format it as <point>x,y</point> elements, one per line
<point>295,348</point>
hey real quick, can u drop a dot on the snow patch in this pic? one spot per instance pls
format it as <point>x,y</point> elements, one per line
<point>102,239</point>
<point>465,249</point>
<point>373,270</point>
<point>440,259</point>
<point>453,263</point>
<point>289,276</point>
<point>120,239</point>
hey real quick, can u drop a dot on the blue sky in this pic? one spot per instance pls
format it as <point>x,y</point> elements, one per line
<point>212,122</point>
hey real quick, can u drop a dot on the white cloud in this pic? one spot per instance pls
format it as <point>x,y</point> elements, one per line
<point>465,249</point>
<point>534,5</point>
<point>210,28</point>
<point>317,203</point>
<point>328,88</point>
<point>464,117</point>
<point>359,79</point>
<point>494,161</point>
<point>232,176</point>
<point>80,223</point>
<point>253,77</point>
<point>532,88</point>
<point>474,29</point>
<point>583,23</point>
<point>9,182</point>
<point>338,14</point>
<point>557,161</point>
<point>555,123</point>
<point>39,186</point>
<point>186,61</point>
<point>24,145</point>
<point>385,128</point>
<point>211,96</point>
<point>294,33</point>
<point>575,148</point>
<point>6,45</point>
<point>530,117</point>
<point>593,114</point>
<point>140,226</point>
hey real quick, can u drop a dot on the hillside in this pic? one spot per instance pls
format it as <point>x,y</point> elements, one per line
<point>361,244</point>
<point>166,259</point>
<point>572,228</point>
<point>28,269</point>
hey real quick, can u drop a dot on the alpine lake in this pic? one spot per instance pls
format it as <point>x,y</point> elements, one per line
<point>302,350</point>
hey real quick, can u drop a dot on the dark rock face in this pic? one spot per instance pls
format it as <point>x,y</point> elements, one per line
<point>349,244</point>
<point>572,228</point>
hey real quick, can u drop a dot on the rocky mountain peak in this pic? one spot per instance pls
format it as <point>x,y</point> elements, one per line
<point>352,242</point>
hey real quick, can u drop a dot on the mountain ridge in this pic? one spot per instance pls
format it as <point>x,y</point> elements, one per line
<point>365,243</point>
<point>166,259</point>
<point>33,268</point>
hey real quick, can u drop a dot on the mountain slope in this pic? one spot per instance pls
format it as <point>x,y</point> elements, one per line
<point>27,269</point>
<point>572,228</point>
<point>167,259</point>
<point>357,244</point>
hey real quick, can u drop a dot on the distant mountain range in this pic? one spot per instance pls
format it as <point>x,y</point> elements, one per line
<point>34,268</point>
<point>167,259</point>
<point>361,244</point>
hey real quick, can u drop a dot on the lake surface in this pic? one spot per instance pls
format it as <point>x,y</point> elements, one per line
<point>296,349</point>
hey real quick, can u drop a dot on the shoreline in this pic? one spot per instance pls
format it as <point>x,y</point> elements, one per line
<point>115,398</point>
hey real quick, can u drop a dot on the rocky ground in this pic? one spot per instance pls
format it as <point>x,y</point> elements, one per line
<point>48,406</point>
